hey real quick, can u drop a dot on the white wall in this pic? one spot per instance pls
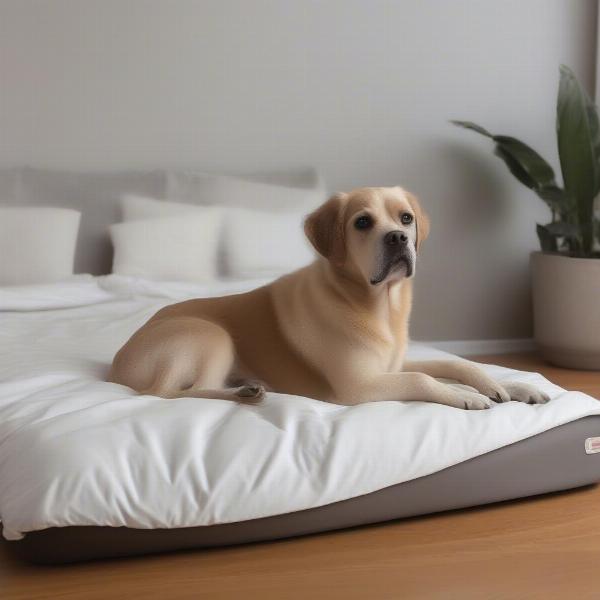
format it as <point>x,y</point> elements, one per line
<point>362,89</point>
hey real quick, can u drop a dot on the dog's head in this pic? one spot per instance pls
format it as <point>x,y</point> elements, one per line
<point>373,233</point>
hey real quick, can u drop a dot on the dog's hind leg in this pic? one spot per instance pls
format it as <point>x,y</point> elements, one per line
<point>248,394</point>
<point>166,385</point>
<point>197,363</point>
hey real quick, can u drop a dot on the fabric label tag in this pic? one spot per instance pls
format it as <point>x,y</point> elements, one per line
<point>592,445</point>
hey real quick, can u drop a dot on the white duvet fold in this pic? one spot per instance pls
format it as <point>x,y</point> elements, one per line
<point>75,450</point>
<point>80,290</point>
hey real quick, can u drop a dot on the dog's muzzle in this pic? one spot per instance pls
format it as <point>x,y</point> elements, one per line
<point>395,254</point>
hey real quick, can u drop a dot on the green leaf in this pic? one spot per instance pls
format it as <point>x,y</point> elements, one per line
<point>547,240</point>
<point>578,132</point>
<point>557,199</point>
<point>554,194</point>
<point>473,127</point>
<point>531,169</point>
<point>536,172</point>
<point>563,229</point>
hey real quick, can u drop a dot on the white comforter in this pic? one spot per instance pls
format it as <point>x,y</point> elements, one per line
<point>75,450</point>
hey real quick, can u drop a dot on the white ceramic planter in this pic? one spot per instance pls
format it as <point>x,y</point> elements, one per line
<point>566,309</point>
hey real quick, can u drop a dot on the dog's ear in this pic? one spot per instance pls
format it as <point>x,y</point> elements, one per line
<point>421,219</point>
<point>325,228</point>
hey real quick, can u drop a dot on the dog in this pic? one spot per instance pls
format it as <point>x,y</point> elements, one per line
<point>335,330</point>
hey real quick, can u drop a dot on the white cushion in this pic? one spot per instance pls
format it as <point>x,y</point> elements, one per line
<point>37,244</point>
<point>263,244</point>
<point>181,248</point>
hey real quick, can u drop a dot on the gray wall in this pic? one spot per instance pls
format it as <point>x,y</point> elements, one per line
<point>362,89</point>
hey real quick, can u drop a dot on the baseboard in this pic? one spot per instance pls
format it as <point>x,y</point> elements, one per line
<point>474,347</point>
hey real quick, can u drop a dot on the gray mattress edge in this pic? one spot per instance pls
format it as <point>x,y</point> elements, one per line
<point>550,461</point>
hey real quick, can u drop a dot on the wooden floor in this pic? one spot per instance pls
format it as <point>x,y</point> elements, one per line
<point>545,547</point>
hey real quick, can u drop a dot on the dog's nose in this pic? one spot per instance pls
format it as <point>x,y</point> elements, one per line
<point>395,238</point>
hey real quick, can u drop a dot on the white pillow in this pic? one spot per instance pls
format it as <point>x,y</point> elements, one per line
<point>37,244</point>
<point>182,248</point>
<point>254,244</point>
<point>264,244</point>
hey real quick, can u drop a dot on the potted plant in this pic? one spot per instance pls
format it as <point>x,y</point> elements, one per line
<point>566,273</point>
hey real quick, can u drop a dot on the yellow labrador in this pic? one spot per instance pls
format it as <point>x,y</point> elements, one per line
<point>336,330</point>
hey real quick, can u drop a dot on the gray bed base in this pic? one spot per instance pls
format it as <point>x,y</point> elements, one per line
<point>551,461</point>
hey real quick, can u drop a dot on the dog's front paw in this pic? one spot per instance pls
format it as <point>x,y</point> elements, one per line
<point>494,390</point>
<point>475,401</point>
<point>525,392</point>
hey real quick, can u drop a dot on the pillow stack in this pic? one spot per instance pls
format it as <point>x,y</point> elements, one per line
<point>227,227</point>
<point>220,226</point>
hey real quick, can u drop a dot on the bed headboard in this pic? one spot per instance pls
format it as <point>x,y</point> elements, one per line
<point>97,196</point>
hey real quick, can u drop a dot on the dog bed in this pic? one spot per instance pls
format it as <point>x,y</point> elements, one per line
<point>88,469</point>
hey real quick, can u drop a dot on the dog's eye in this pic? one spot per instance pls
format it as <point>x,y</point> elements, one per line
<point>364,222</point>
<point>406,218</point>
